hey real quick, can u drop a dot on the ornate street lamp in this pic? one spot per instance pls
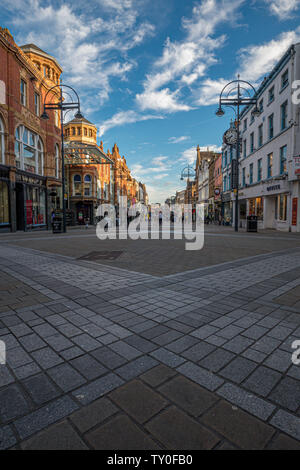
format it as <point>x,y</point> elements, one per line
<point>235,94</point>
<point>62,106</point>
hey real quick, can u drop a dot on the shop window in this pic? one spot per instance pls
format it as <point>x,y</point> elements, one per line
<point>23,91</point>
<point>251,206</point>
<point>4,204</point>
<point>28,151</point>
<point>35,199</point>
<point>88,185</point>
<point>283,167</point>
<point>281,207</point>
<point>270,165</point>
<point>77,185</point>
<point>259,208</point>
<point>2,147</point>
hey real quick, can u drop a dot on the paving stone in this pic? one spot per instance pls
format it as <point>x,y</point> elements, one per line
<point>176,430</point>
<point>279,360</point>
<point>287,394</point>
<point>182,344</point>
<point>238,426</point>
<point>122,434</point>
<point>108,339</point>
<point>167,357</point>
<point>254,355</point>
<point>32,342</point>
<point>45,416</point>
<point>58,342</point>
<point>189,396</point>
<point>59,436</point>
<point>5,376</point>
<point>12,403</point>
<point>215,340</point>
<point>136,367</point>
<point>167,338</point>
<point>97,388</point>
<point>88,367</point>
<point>247,401</point>
<point>20,330</point>
<point>216,360</point>
<point>94,414</point>
<point>200,376</point>
<point>10,341</point>
<point>27,370</point>
<point>238,369</point>
<point>125,350</point>
<point>262,381</point>
<point>45,330</point>
<point>69,330</point>
<point>266,345</point>
<point>17,357</point>
<point>205,331</point>
<point>7,438</point>
<point>40,389</point>
<point>118,331</point>
<point>238,344</point>
<point>66,377</point>
<point>46,358</point>
<point>230,331</point>
<point>280,332</point>
<point>71,353</point>
<point>158,375</point>
<point>154,332</point>
<point>108,357</point>
<point>287,423</point>
<point>138,400</point>
<point>255,332</point>
<point>86,342</point>
<point>140,343</point>
<point>283,442</point>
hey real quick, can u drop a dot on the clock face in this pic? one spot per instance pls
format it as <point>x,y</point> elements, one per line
<point>230,136</point>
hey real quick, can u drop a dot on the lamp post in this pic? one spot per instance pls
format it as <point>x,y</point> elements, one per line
<point>62,106</point>
<point>244,95</point>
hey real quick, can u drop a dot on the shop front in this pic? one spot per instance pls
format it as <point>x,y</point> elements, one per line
<point>5,218</point>
<point>227,208</point>
<point>31,201</point>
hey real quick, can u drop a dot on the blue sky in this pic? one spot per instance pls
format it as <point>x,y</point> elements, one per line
<point>148,72</point>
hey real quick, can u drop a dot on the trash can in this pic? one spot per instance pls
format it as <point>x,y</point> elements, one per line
<point>57,226</point>
<point>252,223</point>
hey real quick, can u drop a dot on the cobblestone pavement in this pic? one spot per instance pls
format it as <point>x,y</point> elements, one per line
<point>105,358</point>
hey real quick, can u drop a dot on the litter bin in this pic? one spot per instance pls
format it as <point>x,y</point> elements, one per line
<point>252,223</point>
<point>57,226</point>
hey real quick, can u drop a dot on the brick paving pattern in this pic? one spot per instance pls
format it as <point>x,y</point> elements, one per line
<point>104,358</point>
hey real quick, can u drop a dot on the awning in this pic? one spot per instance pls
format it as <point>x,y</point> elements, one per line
<point>78,153</point>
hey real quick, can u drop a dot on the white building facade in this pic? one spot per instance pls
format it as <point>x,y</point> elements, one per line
<point>269,170</point>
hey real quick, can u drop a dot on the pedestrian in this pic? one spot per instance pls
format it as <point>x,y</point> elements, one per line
<point>87,221</point>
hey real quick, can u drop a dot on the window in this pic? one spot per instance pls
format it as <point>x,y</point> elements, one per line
<point>251,173</point>
<point>261,105</point>
<point>77,185</point>
<point>78,131</point>
<point>271,94</point>
<point>270,165</point>
<point>90,133</point>
<point>283,167</point>
<point>225,183</point>
<point>245,148</point>
<point>281,207</point>
<point>284,79</point>
<point>225,159</point>
<point>2,148</point>
<point>252,142</point>
<point>271,126</point>
<point>88,185</point>
<point>4,204</point>
<point>23,90</point>
<point>229,181</point>
<point>245,124</point>
<point>230,154</point>
<point>260,135</point>
<point>29,151</point>
<point>283,115</point>
<point>73,131</point>
<point>85,131</point>
<point>252,118</point>
<point>259,169</point>
<point>37,104</point>
<point>244,177</point>
<point>56,161</point>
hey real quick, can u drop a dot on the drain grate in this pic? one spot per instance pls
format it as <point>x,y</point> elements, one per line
<point>101,255</point>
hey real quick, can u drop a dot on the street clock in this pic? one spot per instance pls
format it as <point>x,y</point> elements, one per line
<point>230,136</point>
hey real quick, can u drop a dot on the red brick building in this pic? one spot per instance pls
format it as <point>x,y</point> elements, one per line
<point>30,162</point>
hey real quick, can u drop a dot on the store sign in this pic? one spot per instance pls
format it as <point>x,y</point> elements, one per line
<point>23,178</point>
<point>294,210</point>
<point>275,187</point>
<point>297,165</point>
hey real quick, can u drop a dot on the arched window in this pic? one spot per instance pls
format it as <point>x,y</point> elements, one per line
<point>76,185</point>
<point>2,149</point>
<point>29,151</point>
<point>56,161</point>
<point>88,185</point>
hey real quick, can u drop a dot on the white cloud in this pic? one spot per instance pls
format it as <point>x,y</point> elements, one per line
<point>124,117</point>
<point>283,8</point>
<point>210,90</point>
<point>189,155</point>
<point>182,63</point>
<point>177,140</point>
